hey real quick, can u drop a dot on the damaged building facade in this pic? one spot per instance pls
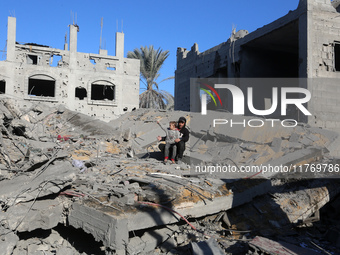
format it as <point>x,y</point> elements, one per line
<point>94,84</point>
<point>305,43</point>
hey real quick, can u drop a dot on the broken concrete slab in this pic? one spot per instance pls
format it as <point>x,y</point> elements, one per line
<point>154,238</point>
<point>295,145</point>
<point>127,134</point>
<point>116,180</point>
<point>88,125</point>
<point>294,138</point>
<point>49,180</point>
<point>109,229</point>
<point>301,204</point>
<point>136,246</point>
<point>209,247</point>
<point>279,248</point>
<point>276,144</point>
<point>306,141</point>
<point>305,156</point>
<point>42,214</point>
<point>8,241</point>
<point>54,239</point>
<point>42,146</point>
<point>145,218</point>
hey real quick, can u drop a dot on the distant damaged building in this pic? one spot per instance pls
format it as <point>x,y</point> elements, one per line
<point>305,43</point>
<point>94,84</point>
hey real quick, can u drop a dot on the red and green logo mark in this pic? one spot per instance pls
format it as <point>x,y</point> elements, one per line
<point>210,94</point>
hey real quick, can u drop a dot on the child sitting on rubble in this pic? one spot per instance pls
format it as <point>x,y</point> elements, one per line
<point>172,133</point>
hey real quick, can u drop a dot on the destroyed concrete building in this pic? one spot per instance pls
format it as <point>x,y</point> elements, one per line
<point>71,184</point>
<point>98,85</point>
<point>305,43</point>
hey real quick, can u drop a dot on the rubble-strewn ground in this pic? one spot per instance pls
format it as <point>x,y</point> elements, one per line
<point>70,184</point>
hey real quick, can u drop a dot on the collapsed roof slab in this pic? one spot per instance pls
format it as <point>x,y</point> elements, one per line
<point>267,29</point>
<point>272,54</point>
<point>112,227</point>
<point>285,38</point>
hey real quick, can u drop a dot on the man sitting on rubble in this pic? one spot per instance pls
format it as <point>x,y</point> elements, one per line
<point>180,142</point>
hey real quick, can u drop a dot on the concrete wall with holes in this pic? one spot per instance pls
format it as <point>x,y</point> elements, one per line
<point>305,43</point>
<point>94,84</point>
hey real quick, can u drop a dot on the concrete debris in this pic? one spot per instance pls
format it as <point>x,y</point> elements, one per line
<point>42,214</point>
<point>8,241</point>
<point>46,180</point>
<point>209,247</point>
<point>48,243</point>
<point>66,176</point>
<point>278,248</point>
<point>276,144</point>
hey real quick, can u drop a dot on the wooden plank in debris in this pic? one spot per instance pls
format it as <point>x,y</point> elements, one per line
<point>279,248</point>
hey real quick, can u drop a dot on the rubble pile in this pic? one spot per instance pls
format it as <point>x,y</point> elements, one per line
<point>71,184</point>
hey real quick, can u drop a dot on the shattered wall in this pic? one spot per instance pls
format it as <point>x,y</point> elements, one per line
<point>323,62</point>
<point>94,84</point>
<point>305,43</point>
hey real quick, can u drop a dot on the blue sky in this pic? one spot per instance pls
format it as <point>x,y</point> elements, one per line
<point>165,24</point>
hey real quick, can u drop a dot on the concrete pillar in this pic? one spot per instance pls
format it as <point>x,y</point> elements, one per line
<point>72,79</point>
<point>102,52</point>
<point>73,46</point>
<point>73,38</point>
<point>304,61</point>
<point>11,38</point>
<point>119,45</point>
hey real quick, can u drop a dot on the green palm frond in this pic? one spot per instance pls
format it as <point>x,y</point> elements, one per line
<point>151,61</point>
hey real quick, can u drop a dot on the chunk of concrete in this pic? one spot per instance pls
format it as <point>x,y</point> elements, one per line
<point>168,245</point>
<point>294,138</point>
<point>305,141</point>
<point>54,239</point>
<point>127,134</point>
<point>111,230</point>
<point>209,247</point>
<point>43,214</point>
<point>295,145</point>
<point>65,251</point>
<point>87,125</point>
<point>312,137</point>
<point>154,238</point>
<point>50,180</point>
<point>8,241</point>
<point>272,247</point>
<point>305,156</point>
<point>276,144</point>
<point>136,246</point>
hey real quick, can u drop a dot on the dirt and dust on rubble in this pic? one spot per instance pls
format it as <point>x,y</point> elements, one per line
<point>71,184</point>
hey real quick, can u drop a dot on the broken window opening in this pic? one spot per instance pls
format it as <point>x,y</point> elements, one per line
<point>81,93</point>
<point>2,87</point>
<point>337,56</point>
<point>32,59</point>
<point>93,61</point>
<point>273,55</point>
<point>111,68</point>
<point>54,60</point>
<point>102,92</point>
<point>38,87</point>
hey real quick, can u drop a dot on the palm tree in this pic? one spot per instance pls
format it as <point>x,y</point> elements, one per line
<point>151,61</point>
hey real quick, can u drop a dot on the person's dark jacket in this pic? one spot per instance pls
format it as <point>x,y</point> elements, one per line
<point>184,131</point>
